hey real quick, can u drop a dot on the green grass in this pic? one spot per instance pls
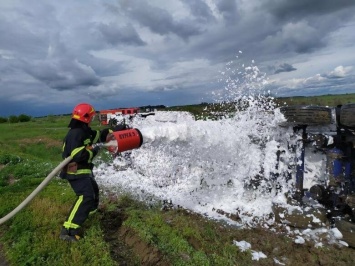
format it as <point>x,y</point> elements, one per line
<point>205,110</point>
<point>324,100</point>
<point>31,236</point>
<point>181,240</point>
<point>29,152</point>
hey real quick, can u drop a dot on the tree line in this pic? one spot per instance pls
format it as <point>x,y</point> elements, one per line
<point>15,119</point>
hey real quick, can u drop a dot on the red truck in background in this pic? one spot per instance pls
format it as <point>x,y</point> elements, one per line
<point>105,116</point>
<point>112,116</point>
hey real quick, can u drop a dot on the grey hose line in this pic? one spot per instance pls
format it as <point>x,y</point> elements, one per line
<point>36,191</point>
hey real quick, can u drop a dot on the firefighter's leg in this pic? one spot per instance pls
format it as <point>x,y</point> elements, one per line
<point>83,187</point>
<point>96,194</point>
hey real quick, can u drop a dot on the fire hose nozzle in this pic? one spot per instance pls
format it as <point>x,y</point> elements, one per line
<point>108,145</point>
<point>97,145</point>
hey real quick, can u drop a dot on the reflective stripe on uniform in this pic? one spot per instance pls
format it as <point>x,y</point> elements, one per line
<point>80,172</point>
<point>75,151</point>
<point>91,155</point>
<point>96,137</point>
<point>68,224</point>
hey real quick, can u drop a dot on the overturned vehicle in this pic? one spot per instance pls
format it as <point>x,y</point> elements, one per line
<point>330,133</point>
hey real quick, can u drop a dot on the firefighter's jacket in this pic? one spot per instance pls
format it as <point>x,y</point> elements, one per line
<point>77,144</point>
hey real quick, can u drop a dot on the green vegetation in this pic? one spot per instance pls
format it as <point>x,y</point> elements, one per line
<point>204,110</point>
<point>125,231</point>
<point>15,119</point>
<point>324,100</point>
<point>30,151</point>
<point>183,241</point>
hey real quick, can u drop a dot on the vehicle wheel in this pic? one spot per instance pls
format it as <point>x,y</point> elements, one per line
<point>348,230</point>
<point>307,115</point>
<point>347,115</point>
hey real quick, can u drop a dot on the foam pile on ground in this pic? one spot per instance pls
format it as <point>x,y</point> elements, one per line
<point>208,165</point>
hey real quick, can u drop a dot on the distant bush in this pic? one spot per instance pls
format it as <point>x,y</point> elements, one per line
<point>13,119</point>
<point>24,118</point>
<point>16,119</point>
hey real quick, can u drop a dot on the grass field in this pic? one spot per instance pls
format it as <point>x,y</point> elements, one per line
<point>125,231</point>
<point>204,109</point>
<point>324,100</point>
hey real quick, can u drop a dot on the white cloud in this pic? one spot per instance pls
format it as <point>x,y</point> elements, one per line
<point>340,72</point>
<point>325,83</point>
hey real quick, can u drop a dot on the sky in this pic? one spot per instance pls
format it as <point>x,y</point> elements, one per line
<point>129,53</point>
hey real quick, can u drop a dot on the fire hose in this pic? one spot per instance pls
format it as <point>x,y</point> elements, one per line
<point>129,139</point>
<point>36,191</point>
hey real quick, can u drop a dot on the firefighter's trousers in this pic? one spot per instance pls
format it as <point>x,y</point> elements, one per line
<point>87,191</point>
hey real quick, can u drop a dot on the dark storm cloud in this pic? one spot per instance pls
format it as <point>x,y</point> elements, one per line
<point>17,108</point>
<point>115,34</point>
<point>143,51</point>
<point>228,9</point>
<point>261,33</point>
<point>10,39</point>
<point>200,11</point>
<point>158,20</point>
<point>305,25</point>
<point>285,68</point>
<point>62,74</point>
<point>25,31</point>
<point>104,67</point>
<point>11,108</point>
<point>287,10</point>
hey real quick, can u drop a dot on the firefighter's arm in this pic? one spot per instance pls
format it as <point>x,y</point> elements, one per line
<point>77,149</point>
<point>82,154</point>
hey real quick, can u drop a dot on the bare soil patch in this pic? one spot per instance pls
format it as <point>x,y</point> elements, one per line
<point>41,140</point>
<point>125,245</point>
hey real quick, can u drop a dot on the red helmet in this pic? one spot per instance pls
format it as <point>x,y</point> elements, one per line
<point>83,112</point>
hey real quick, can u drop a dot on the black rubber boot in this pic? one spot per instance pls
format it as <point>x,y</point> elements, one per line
<point>69,235</point>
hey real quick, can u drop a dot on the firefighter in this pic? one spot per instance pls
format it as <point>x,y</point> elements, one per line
<point>78,144</point>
